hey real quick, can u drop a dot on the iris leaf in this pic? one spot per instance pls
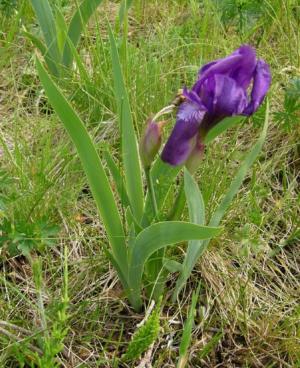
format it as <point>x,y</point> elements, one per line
<point>46,21</point>
<point>197,215</point>
<point>187,330</point>
<point>172,266</point>
<point>124,7</point>
<point>222,126</point>
<point>194,199</point>
<point>92,166</point>
<point>79,20</point>
<point>118,179</point>
<point>36,42</point>
<point>130,157</point>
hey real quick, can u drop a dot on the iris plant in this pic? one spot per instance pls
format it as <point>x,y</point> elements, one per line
<point>137,225</point>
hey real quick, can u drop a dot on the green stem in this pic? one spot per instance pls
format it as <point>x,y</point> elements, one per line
<point>155,261</point>
<point>152,192</point>
<point>160,273</point>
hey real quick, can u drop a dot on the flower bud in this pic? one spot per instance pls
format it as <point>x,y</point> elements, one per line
<point>151,142</point>
<point>195,157</point>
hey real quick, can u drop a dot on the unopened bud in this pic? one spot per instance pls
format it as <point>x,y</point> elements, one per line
<point>151,142</point>
<point>195,157</point>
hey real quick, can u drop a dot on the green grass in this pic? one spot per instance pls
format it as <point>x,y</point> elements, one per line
<point>247,313</point>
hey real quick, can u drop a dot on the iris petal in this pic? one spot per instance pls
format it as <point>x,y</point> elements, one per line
<point>192,96</point>
<point>243,74</point>
<point>222,97</point>
<point>181,140</point>
<point>221,66</point>
<point>206,67</point>
<point>224,66</point>
<point>229,97</point>
<point>240,66</point>
<point>261,84</point>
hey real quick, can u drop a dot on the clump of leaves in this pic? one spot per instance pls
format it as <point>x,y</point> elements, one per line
<point>21,237</point>
<point>187,331</point>
<point>19,232</point>
<point>144,336</point>
<point>290,116</point>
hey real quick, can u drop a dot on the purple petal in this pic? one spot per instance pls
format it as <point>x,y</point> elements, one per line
<point>223,97</point>
<point>192,96</point>
<point>206,67</point>
<point>223,66</point>
<point>243,74</point>
<point>181,140</point>
<point>240,66</point>
<point>261,84</point>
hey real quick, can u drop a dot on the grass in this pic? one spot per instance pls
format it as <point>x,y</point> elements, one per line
<point>248,312</point>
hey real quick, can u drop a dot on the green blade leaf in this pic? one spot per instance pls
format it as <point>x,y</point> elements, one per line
<point>121,276</point>
<point>130,157</point>
<point>78,22</point>
<point>222,126</point>
<point>155,237</point>
<point>163,176</point>
<point>83,72</point>
<point>194,199</point>
<point>132,221</point>
<point>191,258</point>
<point>118,179</point>
<point>172,266</point>
<point>197,216</point>
<point>36,42</point>
<point>124,7</point>
<point>61,29</point>
<point>187,330</point>
<point>92,166</point>
<point>46,21</point>
<point>210,346</point>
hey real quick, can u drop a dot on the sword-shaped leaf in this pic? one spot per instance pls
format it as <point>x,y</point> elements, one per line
<point>130,157</point>
<point>46,21</point>
<point>78,22</point>
<point>92,166</point>
<point>221,127</point>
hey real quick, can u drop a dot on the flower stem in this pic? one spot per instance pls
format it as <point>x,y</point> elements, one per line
<point>151,191</point>
<point>155,261</point>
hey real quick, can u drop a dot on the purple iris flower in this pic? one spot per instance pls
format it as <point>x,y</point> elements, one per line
<point>220,91</point>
